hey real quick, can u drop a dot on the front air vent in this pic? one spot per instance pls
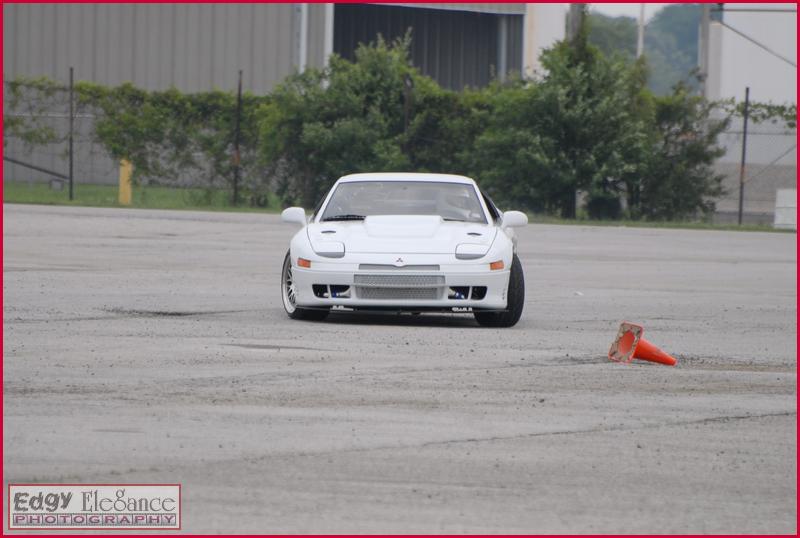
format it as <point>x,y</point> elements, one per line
<point>458,292</point>
<point>478,292</point>
<point>339,292</point>
<point>320,290</point>
<point>331,291</point>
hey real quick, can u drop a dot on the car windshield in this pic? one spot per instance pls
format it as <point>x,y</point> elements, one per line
<point>359,199</point>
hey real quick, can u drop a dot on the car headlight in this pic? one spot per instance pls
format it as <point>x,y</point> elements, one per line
<point>329,249</point>
<point>471,251</point>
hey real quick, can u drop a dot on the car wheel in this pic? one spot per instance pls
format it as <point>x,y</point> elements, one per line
<point>516,300</point>
<point>289,296</point>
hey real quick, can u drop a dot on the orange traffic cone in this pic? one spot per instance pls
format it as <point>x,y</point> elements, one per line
<point>629,345</point>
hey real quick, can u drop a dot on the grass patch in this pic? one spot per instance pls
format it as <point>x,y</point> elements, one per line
<point>680,225</point>
<point>151,197</point>
<point>217,200</point>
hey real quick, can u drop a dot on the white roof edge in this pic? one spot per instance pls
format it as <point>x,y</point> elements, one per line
<point>406,176</point>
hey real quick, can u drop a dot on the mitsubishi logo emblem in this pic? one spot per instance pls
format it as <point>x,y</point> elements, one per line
<point>399,261</point>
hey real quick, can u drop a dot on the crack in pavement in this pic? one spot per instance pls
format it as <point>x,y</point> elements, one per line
<point>605,429</point>
<point>356,450</point>
<point>122,313</point>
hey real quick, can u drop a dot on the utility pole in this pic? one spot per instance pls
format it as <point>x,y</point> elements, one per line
<point>574,24</point>
<point>702,49</point>
<point>502,47</point>
<point>236,136</point>
<point>301,36</point>
<point>744,153</point>
<point>640,37</point>
<point>574,20</point>
<point>71,127</point>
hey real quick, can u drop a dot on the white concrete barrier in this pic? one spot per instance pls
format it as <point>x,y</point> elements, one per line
<point>786,209</point>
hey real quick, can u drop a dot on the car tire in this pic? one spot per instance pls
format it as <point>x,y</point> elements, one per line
<point>287,296</point>
<point>516,301</point>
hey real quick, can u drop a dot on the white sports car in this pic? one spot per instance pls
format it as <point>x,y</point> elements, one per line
<point>411,242</point>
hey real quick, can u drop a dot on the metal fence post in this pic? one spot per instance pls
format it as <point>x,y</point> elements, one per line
<point>71,127</point>
<point>408,89</point>
<point>236,135</point>
<point>744,152</point>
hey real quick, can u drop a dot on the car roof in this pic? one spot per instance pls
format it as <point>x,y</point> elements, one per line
<point>407,176</point>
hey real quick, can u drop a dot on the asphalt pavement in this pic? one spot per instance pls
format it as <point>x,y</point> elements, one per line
<point>151,346</point>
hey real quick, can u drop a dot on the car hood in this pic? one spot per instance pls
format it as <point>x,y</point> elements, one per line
<point>401,234</point>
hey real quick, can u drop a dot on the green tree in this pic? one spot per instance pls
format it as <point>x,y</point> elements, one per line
<point>346,118</point>
<point>443,128</point>
<point>613,35</point>
<point>670,43</point>
<point>579,127</point>
<point>377,113</point>
<point>679,181</point>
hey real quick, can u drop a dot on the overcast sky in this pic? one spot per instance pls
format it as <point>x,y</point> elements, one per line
<point>631,10</point>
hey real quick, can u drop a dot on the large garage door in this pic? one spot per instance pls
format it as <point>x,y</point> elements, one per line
<point>457,48</point>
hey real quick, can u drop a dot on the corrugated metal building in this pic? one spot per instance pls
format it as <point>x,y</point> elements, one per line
<point>193,47</point>
<point>198,47</point>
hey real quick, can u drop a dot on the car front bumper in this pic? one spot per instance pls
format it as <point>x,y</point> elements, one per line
<point>399,288</point>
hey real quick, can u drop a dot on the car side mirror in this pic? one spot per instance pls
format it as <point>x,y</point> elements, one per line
<point>514,219</point>
<point>294,215</point>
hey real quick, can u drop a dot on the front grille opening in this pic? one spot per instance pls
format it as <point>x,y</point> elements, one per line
<point>396,293</point>
<point>458,292</point>
<point>478,292</point>
<point>320,290</point>
<point>338,291</point>
<point>399,281</point>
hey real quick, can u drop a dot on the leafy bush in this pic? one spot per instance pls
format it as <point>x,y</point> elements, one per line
<point>168,135</point>
<point>587,124</point>
<point>351,117</point>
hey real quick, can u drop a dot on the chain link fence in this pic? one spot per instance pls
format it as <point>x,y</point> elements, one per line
<point>770,165</point>
<point>37,150</point>
<point>36,138</point>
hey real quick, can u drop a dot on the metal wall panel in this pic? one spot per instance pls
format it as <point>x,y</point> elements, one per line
<point>194,47</point>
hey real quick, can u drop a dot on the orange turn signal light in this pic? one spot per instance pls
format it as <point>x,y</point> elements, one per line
<point>302,262</point>
<point>496,266</point>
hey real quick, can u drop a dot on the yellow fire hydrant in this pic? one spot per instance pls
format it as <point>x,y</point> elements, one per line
<point>125,190</point>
